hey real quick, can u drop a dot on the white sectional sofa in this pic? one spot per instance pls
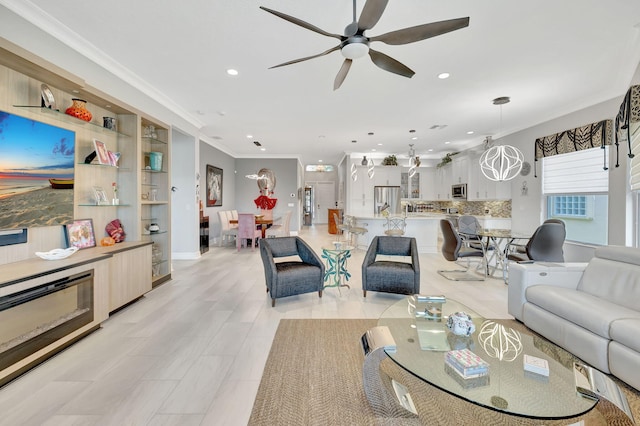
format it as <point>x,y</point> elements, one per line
<point>592,310</point>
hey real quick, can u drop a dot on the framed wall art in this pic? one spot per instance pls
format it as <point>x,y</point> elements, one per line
<point>79,233</point>
<point>214,186</point>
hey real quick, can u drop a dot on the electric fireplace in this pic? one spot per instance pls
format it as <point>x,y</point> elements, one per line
<point>37,317</point>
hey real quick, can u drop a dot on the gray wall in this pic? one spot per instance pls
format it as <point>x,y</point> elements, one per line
<point>287,183</point>
<point>215,157</point>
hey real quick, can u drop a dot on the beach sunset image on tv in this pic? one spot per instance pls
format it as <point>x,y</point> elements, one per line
<point>36,173</point>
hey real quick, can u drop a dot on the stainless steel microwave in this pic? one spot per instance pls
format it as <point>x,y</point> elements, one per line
<point>459,191</point>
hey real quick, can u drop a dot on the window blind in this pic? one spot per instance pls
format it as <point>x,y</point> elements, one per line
<point>576,172</point>
<point>635,161</point>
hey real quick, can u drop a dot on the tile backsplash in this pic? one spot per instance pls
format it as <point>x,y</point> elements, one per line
<point>495,208</point>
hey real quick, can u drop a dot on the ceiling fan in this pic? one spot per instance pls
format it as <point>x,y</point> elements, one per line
<point>354,44</point>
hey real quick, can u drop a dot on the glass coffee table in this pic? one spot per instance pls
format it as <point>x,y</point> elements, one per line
<point>422,340</point>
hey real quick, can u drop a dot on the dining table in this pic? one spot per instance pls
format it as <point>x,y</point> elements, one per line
<point>263,222</point>
<point>497,243</point>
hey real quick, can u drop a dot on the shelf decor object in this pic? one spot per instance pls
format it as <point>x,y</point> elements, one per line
<point>78,109</point>
<point>80,234</point>
<point>56,254</point>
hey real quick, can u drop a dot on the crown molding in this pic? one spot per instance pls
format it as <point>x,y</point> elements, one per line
<point>50,25</point>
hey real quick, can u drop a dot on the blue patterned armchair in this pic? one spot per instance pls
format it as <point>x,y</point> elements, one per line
<point>391,276</point>
<point>291,277</point>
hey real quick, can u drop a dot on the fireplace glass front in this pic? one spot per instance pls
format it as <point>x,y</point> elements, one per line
<point>35,318</point>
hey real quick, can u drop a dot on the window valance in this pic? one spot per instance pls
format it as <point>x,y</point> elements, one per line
<point>592,135</point>
<point>629,113</point>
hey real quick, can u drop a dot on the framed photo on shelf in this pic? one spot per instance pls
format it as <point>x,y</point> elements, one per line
<point>214,186</point>
<point>79,233</point>
<point>102,154</point>
<point>100,196</point>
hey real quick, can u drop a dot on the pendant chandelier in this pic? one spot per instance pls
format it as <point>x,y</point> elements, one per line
<point>414,162</point>
<point>501,162</point>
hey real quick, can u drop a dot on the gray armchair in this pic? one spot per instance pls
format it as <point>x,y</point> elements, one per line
<point>291,277</point>
<point>388,275</point>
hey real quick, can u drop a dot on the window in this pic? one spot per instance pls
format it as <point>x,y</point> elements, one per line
<point>568,206</point>
<point>576,189</point>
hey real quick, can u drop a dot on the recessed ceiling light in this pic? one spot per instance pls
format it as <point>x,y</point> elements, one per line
<point>249,136</point>
<point>380,144</point>
<point>231,71</point>
<point>263,149</point>
<point>470,132</point>
<point>443,75</point>
<point>75,91</point>
<point>107,106</point>
<point>319,161</point>
<point>430,150</point>
<point>447,142</point>
<point>414,138</point>
<point>373,150</point>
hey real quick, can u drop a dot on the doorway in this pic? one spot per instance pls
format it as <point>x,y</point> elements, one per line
<point>324,195</point>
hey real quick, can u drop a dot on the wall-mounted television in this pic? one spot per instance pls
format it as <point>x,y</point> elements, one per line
<point>36,173</point>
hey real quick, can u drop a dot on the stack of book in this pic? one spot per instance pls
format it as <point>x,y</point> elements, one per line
<point>467,368</point>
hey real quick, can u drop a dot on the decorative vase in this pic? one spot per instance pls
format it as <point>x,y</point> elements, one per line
<point>78,110</point>
<point>364,161</point>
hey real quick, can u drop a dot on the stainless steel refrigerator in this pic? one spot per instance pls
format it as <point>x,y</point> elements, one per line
<point>387,197</point>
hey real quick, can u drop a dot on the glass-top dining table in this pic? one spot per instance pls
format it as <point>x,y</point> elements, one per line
<point>497,244</point>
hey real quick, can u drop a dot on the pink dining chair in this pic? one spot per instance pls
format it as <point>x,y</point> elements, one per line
<point>247,230</point>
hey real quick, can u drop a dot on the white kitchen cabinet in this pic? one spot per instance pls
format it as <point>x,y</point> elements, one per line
<point>480,188</point>
<point>443,182</point>
<point>410,186</point>
<point>428,188</point>
<point>460,169</point>
<point>387,176</point>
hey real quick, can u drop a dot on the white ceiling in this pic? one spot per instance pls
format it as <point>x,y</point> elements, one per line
<point>551,57</point>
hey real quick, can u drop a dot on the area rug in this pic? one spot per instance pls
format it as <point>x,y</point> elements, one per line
<point>313,376</point>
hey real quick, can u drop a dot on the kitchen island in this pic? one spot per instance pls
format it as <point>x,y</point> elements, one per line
<point>424,227</point>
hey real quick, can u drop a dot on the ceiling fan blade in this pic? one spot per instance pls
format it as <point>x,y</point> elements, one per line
<point>421,32</point>
<point>301,23</point>
<point>326,52</point>
<point>371,13</point>
<point>387,63</point>
<point>342,74</point>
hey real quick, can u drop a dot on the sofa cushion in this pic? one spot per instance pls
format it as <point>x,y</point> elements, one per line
<point>583,309</point>
<point>614,275</point>
<point>626,331</point>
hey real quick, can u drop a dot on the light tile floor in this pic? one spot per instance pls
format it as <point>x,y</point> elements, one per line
<point>192,351</point>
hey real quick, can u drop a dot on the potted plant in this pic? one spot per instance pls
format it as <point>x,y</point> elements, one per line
<point>390,160</point>
<point>446,159</point>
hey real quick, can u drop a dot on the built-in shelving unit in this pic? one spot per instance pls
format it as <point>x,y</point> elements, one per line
<point>23,77</point>
<point>155,205</point>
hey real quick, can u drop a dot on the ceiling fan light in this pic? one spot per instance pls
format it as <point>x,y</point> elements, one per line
<point>354,50</point>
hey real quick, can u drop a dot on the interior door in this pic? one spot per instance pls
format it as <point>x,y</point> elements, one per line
<point>325,198</point>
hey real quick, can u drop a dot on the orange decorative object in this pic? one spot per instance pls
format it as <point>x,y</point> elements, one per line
<point>78,110</point>
<point>107,241</point>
